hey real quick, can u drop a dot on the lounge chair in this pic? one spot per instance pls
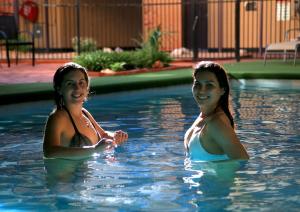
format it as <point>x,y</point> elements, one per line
<point>288,46</point>
<point>10,37</point>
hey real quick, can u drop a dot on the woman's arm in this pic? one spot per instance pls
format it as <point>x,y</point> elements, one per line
<point>224,135</point>
<point>187,137</point>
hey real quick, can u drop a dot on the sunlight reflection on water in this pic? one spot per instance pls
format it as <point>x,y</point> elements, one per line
<point>150,171</point>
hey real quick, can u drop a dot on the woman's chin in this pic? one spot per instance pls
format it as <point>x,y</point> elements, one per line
<point>78,101</point>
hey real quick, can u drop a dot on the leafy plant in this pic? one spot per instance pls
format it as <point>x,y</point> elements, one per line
<point>150,49</point>
<point>86,44</point>
<point>144,57</point>
<point>96,60</point>
<point>118,66</point>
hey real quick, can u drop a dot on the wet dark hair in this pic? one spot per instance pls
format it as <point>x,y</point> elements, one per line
<point>58,78</point>
<point>221,76</point>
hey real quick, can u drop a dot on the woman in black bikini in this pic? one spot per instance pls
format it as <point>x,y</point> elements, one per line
<point>71,131</point>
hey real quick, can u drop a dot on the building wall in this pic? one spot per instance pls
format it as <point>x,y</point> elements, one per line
<point>167,14</point>
<point>258,26</point>
<point>119,22</point>
<point>104,21</point>
<point>6,6</point>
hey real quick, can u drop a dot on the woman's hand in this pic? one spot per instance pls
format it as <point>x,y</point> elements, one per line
<point>120,136</point>
<point>105,143</point>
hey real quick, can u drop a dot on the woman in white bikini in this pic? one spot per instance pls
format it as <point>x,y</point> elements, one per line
<point>212,136</point>
<point>71,132</point>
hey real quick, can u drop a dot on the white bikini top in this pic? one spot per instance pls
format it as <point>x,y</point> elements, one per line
<point>197,153</point>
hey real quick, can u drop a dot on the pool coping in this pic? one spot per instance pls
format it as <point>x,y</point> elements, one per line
<point>16,93</point>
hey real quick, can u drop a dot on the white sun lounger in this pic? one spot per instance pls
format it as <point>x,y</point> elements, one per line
<point>284,47</point>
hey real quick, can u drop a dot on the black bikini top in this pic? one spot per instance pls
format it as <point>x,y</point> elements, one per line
<point>80,140</point>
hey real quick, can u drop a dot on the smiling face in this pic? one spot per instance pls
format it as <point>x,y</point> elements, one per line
<point>74,87</point>
<point>206,90</point>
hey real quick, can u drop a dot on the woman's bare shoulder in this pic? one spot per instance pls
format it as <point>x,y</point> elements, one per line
<point>218,122</point>
<point>57,116</point>
<point>220,130</point>
<point>192,127</point>
<point>90,116</point>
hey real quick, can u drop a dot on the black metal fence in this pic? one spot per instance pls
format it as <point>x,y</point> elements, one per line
<point>192,29</point>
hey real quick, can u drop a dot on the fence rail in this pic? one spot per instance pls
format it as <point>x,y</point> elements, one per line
<point>192,29</point>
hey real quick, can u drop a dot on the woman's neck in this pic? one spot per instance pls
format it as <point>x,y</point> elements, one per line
<point>207,113</point>
<point>75,110</point>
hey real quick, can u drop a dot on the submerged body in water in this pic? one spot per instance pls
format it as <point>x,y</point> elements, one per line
<point>212,135</point>
<point>148,173</point>
<point>198,153</point>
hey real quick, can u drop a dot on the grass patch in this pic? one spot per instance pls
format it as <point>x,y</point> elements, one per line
<point>274,69</point>
<point>14,93</point>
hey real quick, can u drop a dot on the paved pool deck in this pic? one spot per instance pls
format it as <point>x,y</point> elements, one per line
<point>24,82</point>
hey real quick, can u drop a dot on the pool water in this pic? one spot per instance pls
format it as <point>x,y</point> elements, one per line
<point>150,171</point>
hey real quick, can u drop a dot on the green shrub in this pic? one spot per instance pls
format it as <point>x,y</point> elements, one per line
<point>118,66</point>
<point>86,44</point>
<point>143,57</point>
<point>95,61</point>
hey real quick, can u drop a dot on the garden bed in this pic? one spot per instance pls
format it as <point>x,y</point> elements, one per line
<point>108,72</point>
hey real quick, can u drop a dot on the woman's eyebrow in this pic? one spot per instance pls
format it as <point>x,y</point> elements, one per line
<point>71,80</point>
<point>210,81</point>
<point>68,80</point>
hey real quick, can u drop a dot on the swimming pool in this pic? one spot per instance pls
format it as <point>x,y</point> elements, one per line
<point>150,171</point>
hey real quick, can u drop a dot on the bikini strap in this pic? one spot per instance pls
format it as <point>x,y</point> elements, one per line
<point>92,123</point>
<point>74,125</point>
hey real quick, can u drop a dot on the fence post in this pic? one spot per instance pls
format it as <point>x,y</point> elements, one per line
<point>16,11</point>
<point>237,30</point>
<point>220,25</point>
<point>46,2</point>
<point>261,27</point>
<point>194,31</point>
<point>78,25</point>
